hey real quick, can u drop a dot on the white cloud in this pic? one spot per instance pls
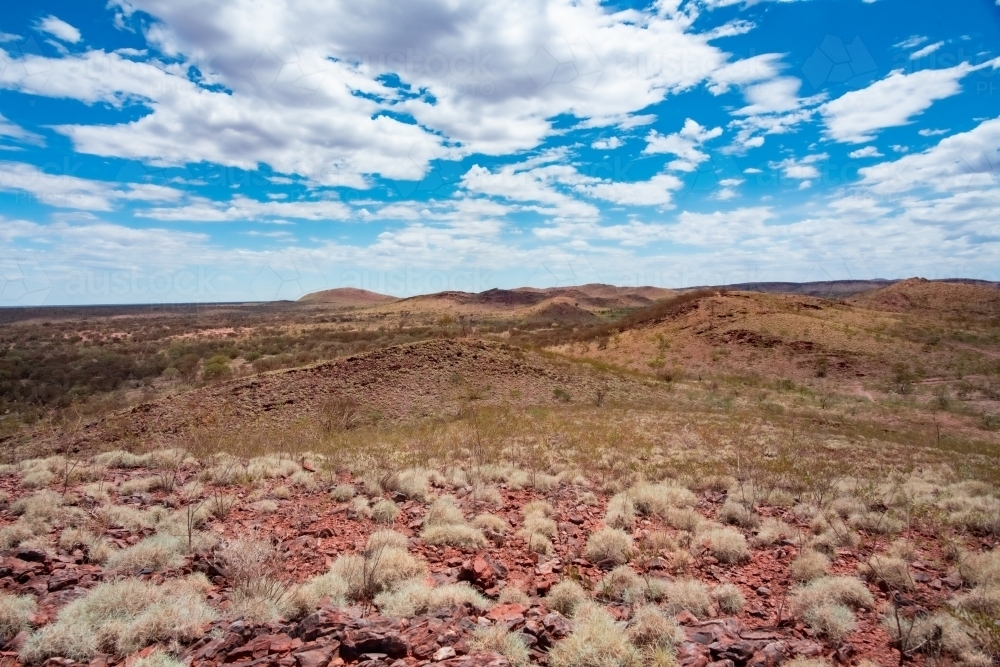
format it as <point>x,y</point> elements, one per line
<point>18,133</point>
<point>927,132</point>
<point>777,95</point>
<point>800,169</point>
<point>867,151</point>
<point>856,117</point>
<point>297,110</point>
<point>911,42</point>
<point>684,144</point>
<point>926,51</point>
<point>607,144</point>
<point>657,191</point>
<point>59,29</point>
<point>963,161</point>
<point>244,208</point>
<point>742,72</point>
<point>67,191</point>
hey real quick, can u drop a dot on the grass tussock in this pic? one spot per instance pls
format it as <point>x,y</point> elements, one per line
<point>650,628</point>
<point>343,492</point>
<point>826,604</point>
<point>15,613</point>
<point>728,598</point>
<point>417,597</point>
<point>386,569</point>
<point>891,571</point>
<point>121,617</point>
<point>609,545</point>
<point>726,544</point>
<point>809,565</point>
<point>497,639</point>
<point>566,597</point>
<point>596,641</point>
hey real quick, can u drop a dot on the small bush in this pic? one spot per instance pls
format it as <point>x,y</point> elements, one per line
<point>940,632</point>
<point>737,514</point>
<point>539,544</point>
<point>15,534</point>
<point>454,535</point>
<point>121,617</point>
<point>659,499</point>
<point>490,524</point>
<point>824,604</point>
<point>513,595</point>
<point>152,554</point>
<point>416,597</point>
<point>542,507</point>
<point>343,492</point>
<point>304,480</point>
<point>497,639</point>
<point>367,576</point>
<point>622,583</point>
<point>687,595</point>
<point>729,598</point>
<point>14,613</point>
<point>683,518</point>
<point>413,483</point>
<point>831,620</point>
<point>772,531</point>
<point>609,545</point>
<point>281,492</point>
<point>981,569</point>
<point>893,572</point>
<point>444,512</point>
<point>536,524</point>
<point>596,641</point>
<point>620,513</point>
<point>726,544</point>
<point>383,539</point>
<point>305,598</point>
<point>360,509</point>
<point>649,628</point>
<point>809,565</point>
<point>37,479</point>
<point>659,540</point>
<point>385,511</point>
<point>487,495</point>
<point>138,485</point>
<point>566,597</point>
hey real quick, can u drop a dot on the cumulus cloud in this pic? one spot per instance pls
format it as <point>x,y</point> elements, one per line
<point>67,191</point>
<point>306,89</point>
<point>684,144</point>
<point>800,169</point>
<point>963,161</point>
<point>607,144</point>
<point>857,116</point>
<point>59,29</point>
<point>867,151</point>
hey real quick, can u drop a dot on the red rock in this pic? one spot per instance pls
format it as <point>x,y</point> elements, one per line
<point>316,657</point>
<point>507,613</point>
<point>443,653</point>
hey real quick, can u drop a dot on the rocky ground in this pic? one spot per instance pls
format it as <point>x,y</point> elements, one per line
<point>312,530</point>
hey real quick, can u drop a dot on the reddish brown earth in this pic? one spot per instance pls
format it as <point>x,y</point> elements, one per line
<point>434,378</point>
<point>313,530</point>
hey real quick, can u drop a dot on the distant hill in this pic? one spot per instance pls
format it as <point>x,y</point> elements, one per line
<point>833,289</point>
<point>348,297</point>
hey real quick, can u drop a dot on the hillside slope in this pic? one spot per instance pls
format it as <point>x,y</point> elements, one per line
<point>401,383</point>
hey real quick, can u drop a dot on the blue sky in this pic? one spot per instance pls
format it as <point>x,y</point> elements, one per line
<point>167,151</point>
